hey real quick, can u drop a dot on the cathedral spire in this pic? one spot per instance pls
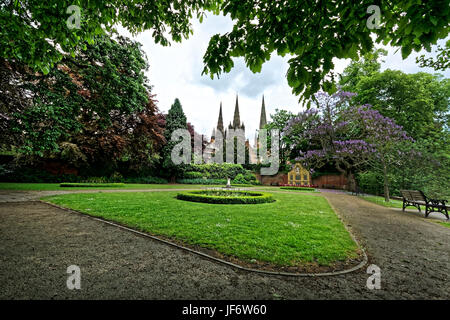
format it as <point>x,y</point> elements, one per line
<point>220,121</point>
<point>263,119</point>
<point>236,119</point>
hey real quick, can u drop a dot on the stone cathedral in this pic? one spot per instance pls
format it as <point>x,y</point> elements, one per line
<point>237,124</point>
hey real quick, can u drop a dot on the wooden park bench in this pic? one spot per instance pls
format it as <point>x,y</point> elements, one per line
<point>416,198</point>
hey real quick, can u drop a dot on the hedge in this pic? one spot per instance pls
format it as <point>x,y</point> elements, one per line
<point>145,180</point>
<point>298,188</point>
<point>202,181</point>
<point>193,175</point>
<point>90,185</point>
<point>215,170</point>
<point>225,197</point>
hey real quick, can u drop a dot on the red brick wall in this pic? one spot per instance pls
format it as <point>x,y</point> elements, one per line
<point>331,181</point>
<point>280,178</point>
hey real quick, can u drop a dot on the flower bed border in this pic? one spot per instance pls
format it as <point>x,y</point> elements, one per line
<point>252,198</point>
<point>298,188</point>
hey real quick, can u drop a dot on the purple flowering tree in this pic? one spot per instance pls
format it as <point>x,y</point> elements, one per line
<point>350,137</point>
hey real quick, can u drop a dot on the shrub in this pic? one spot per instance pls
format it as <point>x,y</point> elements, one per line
<point>250,177</point>
<point>202,181</point>
<point>96,180</point>
<point>90,185</point>
<point>194,175</point>
<point>226,197</point>
<point>298,188</point>
<point>240,179</point>
<point>5,170</point>
<point>116,177</point>
<point>370,182</point>
<point>216,170</point>
<point>34,175</point>
<point>146,180</point>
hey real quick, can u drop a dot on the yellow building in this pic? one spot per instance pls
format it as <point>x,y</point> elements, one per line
<point>299,176</point>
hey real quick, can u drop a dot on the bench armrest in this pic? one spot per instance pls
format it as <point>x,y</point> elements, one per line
<point>438,201</point>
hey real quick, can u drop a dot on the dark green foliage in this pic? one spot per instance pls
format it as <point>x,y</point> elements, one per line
<point>94,112</point>
<point>250,177</point>
<point>146,180</point>
<point>193,175</point>
<point>298,188</point>
<point>198,173</point>
<point>90,185</point>
<point>23,41</point>
<point>315,32</point>
<point>240,179</point>
<point>175,119</point>
<point>35,175</point>
<point>371,182</point>
<point>418,102</point>
<point>226,197</point>
<point>441,62</point>
<point>203,181</point>
<point>217,171</point>
<point>87,93</point>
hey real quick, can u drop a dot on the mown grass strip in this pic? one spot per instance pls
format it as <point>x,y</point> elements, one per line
<point>296,229</point>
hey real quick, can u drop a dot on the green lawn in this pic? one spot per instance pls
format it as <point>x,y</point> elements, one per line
<point>297,228</point>
<point>380,200</point>
<point>55,186</point>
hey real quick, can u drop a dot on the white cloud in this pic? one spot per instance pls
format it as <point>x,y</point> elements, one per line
<point>175,72</point>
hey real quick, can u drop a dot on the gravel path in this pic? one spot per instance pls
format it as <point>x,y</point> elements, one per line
<point>22,196</point>
<point>38,243</point>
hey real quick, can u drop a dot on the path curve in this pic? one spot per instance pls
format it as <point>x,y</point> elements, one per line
<point>39,242</point>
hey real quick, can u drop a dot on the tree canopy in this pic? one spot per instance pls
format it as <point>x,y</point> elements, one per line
<point>442,60</point>
<point>101,84</point>
<point>419,101</point>
<point>35,32</point>
<point>315,32</point>
<point>175,119</point>
<point>95,108</point>
<point>349,136</point>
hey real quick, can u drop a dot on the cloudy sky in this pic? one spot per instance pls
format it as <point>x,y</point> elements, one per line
<point>175,72</point>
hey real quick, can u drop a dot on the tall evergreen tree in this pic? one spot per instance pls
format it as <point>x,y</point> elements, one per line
<point>175,119</point>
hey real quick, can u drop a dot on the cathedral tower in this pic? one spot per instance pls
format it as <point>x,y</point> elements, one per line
<point>263,118</point>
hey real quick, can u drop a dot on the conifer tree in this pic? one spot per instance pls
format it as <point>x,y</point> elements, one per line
<point>175,119</point>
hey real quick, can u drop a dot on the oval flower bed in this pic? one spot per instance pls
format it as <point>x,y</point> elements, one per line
<point>226,196</point>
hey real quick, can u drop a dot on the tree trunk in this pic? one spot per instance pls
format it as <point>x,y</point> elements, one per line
<point>351,182</point>
<point>386,184</point>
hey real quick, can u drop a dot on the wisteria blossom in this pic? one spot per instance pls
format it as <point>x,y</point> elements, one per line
<point>347,136</point>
